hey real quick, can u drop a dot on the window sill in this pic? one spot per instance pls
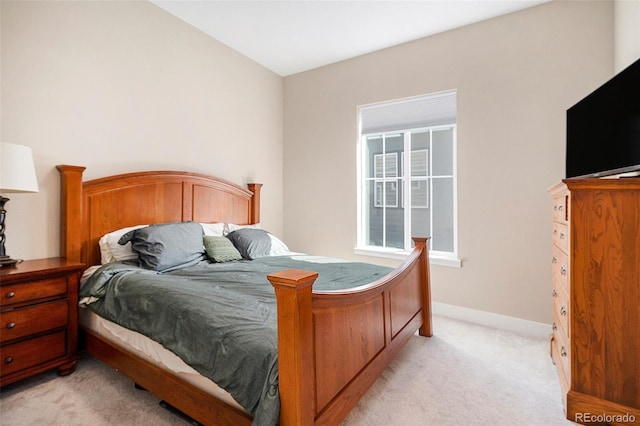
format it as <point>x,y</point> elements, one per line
<point>434,259</point>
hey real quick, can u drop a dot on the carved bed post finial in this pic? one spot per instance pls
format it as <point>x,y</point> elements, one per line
<point>70,211</point>
<point>427,328</point>
<point>255,202</point>
<point>295,345</point>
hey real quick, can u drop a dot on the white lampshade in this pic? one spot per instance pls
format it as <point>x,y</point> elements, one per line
<point>17,173</point>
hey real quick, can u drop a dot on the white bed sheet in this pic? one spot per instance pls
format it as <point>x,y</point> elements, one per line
<point>153,352</point>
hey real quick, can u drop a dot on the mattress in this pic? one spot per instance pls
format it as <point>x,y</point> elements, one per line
<point>151,351</point>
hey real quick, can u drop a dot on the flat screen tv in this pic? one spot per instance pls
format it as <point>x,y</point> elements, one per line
<point>603,129</point>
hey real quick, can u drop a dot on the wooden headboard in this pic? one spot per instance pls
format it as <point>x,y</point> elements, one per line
<point>93,208</point>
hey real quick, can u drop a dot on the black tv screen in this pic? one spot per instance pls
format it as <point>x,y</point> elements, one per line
<point>603,129</point>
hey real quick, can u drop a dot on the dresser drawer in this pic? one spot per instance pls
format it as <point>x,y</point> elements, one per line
<point>560,267</point>
<point>561,354</point>
<point>561,235</point>
<point>33,290</point>
<point>34,319</point>
<point>561,308</point>
<point>560,207</point>
<point>28,353</point>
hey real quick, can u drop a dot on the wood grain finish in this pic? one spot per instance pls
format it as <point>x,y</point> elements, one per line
<point>332,346</point>
<point>39,318</point>
<point>602,325</point>
<point>94,208</point>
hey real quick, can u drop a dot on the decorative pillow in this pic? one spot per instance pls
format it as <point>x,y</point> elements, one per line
<point>167,246</point>
<point>251,243</point>
<point>277,245</point>
<point>111,251</point>
<point>220,249</point>
<point>215,229</point>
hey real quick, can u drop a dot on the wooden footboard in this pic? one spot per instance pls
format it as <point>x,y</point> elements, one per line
<point>332,346</point>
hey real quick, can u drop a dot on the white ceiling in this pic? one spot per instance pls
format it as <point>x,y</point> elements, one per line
<point>297,35</point>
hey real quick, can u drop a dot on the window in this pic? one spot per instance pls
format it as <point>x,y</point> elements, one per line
<point>407,180</point>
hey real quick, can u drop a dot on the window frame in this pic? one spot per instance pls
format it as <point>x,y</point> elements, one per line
<point>444,258</point>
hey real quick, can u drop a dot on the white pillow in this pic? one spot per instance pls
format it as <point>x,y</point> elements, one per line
<point>277,246</point>
<point>111,251</point>
<point>230,227</point>
<point>213,229</point>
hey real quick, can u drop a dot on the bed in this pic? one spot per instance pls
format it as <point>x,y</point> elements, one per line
<point>365,326</point>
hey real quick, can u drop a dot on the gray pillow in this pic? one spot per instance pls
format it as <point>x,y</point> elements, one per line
<point>251,243</point>
<point>166,246</point>
<point>220,249</point>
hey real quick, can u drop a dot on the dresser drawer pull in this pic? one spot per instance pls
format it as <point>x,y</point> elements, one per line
<point>554,293</point>
<point>8,360</point>
<point>563,351</point>
<point>10,295</point>
<point>563,311</point>
<point>562,235</point>
<point>554,327</point>
<point>554,259</point>
<point>563,270</point>
<point>11,325</point>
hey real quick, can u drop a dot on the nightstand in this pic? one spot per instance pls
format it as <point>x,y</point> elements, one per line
<point>38,318</point>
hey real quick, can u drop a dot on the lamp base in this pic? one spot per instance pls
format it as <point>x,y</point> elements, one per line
<point>7,261</point>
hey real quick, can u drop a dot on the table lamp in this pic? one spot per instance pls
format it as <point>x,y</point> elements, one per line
<point>17,174</point>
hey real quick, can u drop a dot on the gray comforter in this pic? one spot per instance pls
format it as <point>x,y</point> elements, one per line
<point>220,318</point>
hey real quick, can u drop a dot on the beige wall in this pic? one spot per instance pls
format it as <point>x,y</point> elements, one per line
<point>515,75</point>
<point>124,86</point>
<point>627,33</point>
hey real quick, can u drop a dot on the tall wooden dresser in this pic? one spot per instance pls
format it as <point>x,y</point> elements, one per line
<point>595,341</point>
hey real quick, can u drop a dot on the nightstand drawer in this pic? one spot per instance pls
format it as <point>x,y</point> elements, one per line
<point>32,352</point>
<point>33,290</point>
<point>23,322</point>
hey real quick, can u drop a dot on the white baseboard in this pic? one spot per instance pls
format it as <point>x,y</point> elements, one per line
<point>489,319</point>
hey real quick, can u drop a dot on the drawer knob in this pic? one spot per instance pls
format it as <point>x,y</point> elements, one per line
<point>8,360</point>
<point>563,311</point>
<point>10,295</point>
<point>11,325</point>
<point>563,270</point>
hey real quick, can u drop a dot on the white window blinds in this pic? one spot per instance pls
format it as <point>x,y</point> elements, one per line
<point>412,113</point>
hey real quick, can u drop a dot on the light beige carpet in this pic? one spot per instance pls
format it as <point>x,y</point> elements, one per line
<point>465,375</point>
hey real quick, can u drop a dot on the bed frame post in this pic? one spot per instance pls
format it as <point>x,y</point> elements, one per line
<point>255,202</point>
<point>71,212</point>
<point>295,346</point>
<point>426,329</point>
